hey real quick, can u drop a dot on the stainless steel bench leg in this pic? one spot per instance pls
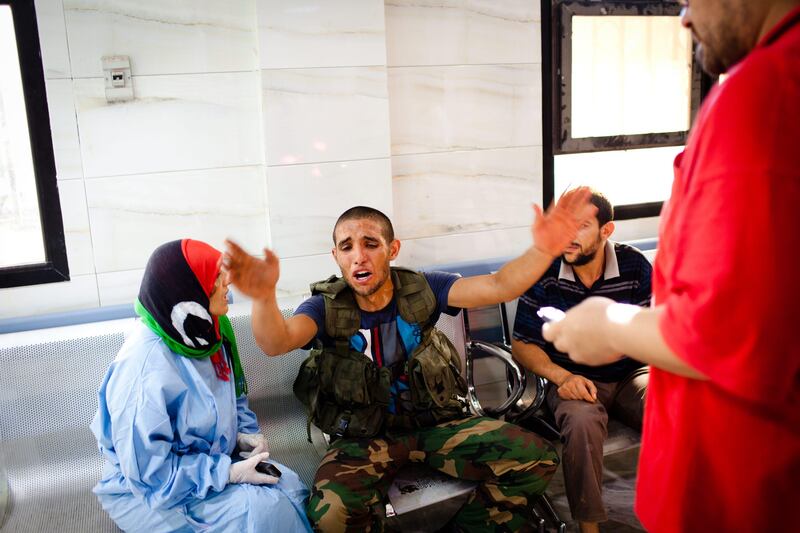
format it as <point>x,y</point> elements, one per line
<point>550,515</point>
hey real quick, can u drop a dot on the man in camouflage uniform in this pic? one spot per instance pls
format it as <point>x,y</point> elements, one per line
<point>511,464</point>
<point>514,465</point>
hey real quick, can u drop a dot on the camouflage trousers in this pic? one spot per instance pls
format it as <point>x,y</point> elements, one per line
<point>511,464</point>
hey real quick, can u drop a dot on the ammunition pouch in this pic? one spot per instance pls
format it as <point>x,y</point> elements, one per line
<point>346,395</point>
<point>437,387</point>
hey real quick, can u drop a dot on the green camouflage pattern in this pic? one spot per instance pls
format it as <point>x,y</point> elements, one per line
<point>513,466</point>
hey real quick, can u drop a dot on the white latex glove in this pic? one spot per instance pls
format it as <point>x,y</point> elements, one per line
<point>245,471</point>
<point>252,442</point>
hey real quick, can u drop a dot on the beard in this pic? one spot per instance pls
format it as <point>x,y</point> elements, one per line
<point>583,258</point>
<point>722,45</point>
<point>709,62</point>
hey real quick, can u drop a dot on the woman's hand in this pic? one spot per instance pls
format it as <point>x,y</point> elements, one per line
<point>252,442</point>
<point>245,471</point>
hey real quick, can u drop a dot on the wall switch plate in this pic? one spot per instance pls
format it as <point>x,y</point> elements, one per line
<point>117,73</point>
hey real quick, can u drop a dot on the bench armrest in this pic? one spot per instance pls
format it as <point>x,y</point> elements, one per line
<point>515,372</point>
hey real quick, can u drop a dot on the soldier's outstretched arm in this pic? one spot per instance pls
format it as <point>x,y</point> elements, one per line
<point>552,231</point>
<point>258,278</point>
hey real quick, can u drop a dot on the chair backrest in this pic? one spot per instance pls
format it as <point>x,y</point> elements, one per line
<point>487,324</point>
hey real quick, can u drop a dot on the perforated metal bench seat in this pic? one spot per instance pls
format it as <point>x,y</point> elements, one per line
<point>48,396</point>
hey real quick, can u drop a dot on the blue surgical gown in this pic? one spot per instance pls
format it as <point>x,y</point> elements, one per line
<point>167,426</point>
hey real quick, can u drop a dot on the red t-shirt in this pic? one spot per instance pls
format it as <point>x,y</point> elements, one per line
<point>724,454</point>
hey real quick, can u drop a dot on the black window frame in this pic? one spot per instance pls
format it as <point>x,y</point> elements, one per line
<point>556,97</point>
<point>55,268</point>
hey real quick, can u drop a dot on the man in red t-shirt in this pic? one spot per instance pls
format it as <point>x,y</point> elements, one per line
<point>721,441</point>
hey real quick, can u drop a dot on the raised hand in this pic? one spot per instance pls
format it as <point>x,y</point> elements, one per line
<point>555,229</point>
<point>254,277</point>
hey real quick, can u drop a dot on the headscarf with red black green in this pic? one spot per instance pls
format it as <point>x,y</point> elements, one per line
<point>174,302</point>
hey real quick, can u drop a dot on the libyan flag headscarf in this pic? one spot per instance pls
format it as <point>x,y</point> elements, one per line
<point>174,302</point>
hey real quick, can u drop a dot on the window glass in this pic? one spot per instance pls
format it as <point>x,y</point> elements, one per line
<point>630,75</point>
<point>21,239</point>
<point>625,176</point>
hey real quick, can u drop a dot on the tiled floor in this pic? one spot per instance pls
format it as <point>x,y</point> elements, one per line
<point>619,479</point>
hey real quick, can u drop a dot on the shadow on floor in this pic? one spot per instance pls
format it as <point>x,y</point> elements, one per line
<point>619,481</point>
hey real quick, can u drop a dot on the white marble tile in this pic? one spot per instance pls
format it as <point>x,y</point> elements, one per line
<point>64,129</point>
<point>175,123</point>
<point>123,287</point>
<point>438,109</point>
<point>175,37</point>
<point>78,293</point>
<point>502,243</point>
<point>459,32</point>
<point>297,273</point>
<point>460,192</point>
<point>53,38</point>
<point>432,251</point>
<point>78,238</point>
<point>320,33</point>
<point>131,215</point>
<point>116,288</point>
<point>331,114</point>
<point>306,200</point>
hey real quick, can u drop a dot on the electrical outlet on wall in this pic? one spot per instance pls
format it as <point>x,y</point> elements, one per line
<point>119,83</point>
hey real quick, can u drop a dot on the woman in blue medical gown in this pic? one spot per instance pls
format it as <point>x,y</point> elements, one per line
<point>173,407</point>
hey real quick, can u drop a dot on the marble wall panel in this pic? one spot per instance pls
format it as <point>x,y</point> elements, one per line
<point>455,248</point>
<point>439,109</point>
<point>458,32</point>
<point>122,288</point>
<point>131,215</point>
<point>75,214</point>
<point>64,129</point>
<point>175,123</point>
<point>78,293</point>
<point>462,192</point>
<point>321,33</point>
<point>297,273</point>
<point>331,114</point>
<point>175,37</point>
<point>118,288</point>
<point>306,200</point>
<point>53,38</point>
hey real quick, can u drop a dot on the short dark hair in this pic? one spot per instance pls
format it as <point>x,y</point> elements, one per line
<point>605,211</point>
<point>361,212</point>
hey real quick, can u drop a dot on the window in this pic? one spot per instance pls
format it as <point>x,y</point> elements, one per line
<point>620,91</point>
<point>32,248</point>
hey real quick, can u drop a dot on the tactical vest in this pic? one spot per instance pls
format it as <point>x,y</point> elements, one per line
<point>347,394</point>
